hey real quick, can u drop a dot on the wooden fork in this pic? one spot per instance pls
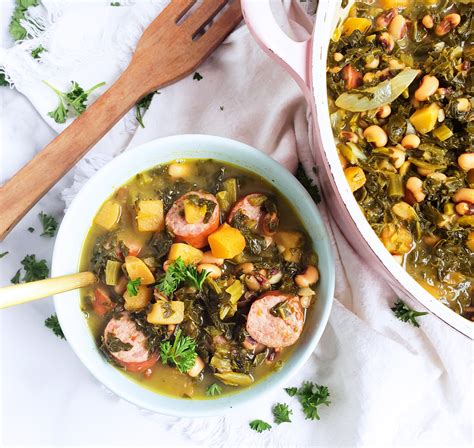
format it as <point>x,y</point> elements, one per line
<point>169,49</point>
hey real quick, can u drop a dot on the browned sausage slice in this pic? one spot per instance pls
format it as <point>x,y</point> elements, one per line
<point>194,234</point>
<point>275,331</point>
<point>250,206</point>
<point>127,344</point>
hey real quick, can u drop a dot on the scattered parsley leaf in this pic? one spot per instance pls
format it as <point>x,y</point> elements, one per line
<point>115,4</point>
<point>142,106</point>
<point>259,425</point>
<point>179,272</point>
<point>213,390</point>
<point>16,278</point>
<point>132,286</point>
<point>34,270</point>
<point>3,254</point>
<point>405,313</point>
<point>17,31</point>
<point>221,107</point>
<point>31,229</point>
<point>3,80</point>
<point>312,189</point>
<point>76,98</point>
<point>311,396</point>
<point>281,413</point>
<point>291,391</point>
<point>197,76</point>
<point>49,223</point>
<point>182,353</point>
<point>52,323</point>
<point>37,51</point>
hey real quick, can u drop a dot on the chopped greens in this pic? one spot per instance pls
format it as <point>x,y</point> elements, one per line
<point>52,323</point>
<point>311,188</point>
<point>3,80</point>
<point>312,395</point>
<point>197,76</point>
<point>31,229</point>
<point>182,353</point>
<point>179,272</point>
<point>3,254</point>
<point>132,286</point>
<point>281,413</point>
<point>291,391</point>
<point>213,390</point>
<point>403,312</point>
<point>259,425</point>
<point>114,344</point>
<point>142,106</point>
<point>16,278</point>
<point>34,270</point>
<point>76,99</point>
<point>36,53</point>
<point>49,223</point>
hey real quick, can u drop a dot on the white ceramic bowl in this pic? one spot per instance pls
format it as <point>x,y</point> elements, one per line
<point>76,224</point>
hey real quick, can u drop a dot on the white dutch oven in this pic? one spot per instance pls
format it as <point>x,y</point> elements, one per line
<point>306,62</point>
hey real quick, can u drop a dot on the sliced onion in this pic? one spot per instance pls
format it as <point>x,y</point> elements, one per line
<point>383,93</point>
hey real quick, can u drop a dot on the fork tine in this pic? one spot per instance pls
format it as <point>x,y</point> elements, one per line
<point>229,19</point>
<point>180,7</point>
<point>203,15</point>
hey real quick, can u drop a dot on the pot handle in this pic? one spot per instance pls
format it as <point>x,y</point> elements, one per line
<point>294,56</point>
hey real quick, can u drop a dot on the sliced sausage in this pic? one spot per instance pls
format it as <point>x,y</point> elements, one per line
<point>244,205</point>
<point>101,302</point>
<point>193,234</point>
<point>271,330</point>
<point>138,357</point>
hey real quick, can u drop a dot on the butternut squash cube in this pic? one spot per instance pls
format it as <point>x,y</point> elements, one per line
<point>226,242</point>
<point>189,254</point>
<point>150,216</point>
<point>424,120</point>
<point>136,268</point>
<point>109,215</point>
<point>389,4</point>
<point>166,313</point>
<point>355,177</point>
<point>352,24</point>
<point>140,301</point>
<point>289,239</point>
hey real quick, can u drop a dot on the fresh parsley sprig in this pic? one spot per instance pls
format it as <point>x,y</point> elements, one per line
<point>311,188</point>
<point>76,99</point>
<point>16,29</point>
<point>291,391</point>
<point>260,425</point>
<point>182,353</point>
<point>52,323</point>
<point>179,272</point>
<point>281,413</point>
<point>142,106</point>
<point>312,395</point>
<point>213,390</point>
<point>132,286</point>
<point>405,313</point>
<point>49,223</point>
<point>36,52</point>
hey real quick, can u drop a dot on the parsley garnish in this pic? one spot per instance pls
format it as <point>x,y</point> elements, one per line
<point>34,270</point>
<point>17,31</point>
<point>115,4</point>
<point>31,229</point>
<point>179,272</point>
<point>182,353</point>
<point>16,278</point>
<point>221,107</point>
<point>76,98</point>
<point>3,254</point>
<point>142,106</point>
<point>311,396</point>
<point>37,51</point>
<point>291,391</point>
<point>197,76</point>
<point>281,413</point>
<point>405,313</point>
<point>312,189</point>
<point>52,323</point>
<point>132,286</point>
<point>213,389</point>
<point>49,223</point>
<point>259,425</point>
<point>3,80</point>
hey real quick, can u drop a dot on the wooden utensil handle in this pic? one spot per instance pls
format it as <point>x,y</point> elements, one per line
<point>26,292</point>
<point>29,184</point>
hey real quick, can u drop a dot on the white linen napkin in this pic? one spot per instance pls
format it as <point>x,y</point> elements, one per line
<point>390,383</point>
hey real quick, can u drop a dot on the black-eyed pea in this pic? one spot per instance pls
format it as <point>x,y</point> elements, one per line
<point>309,277</point>
<point>251,282</point>
<point>462,208</point>
<point>368,77</point>
<point>384,19</point>
<point>245,268</point>
<point>397,156</point>
<point>395,64</point>
<point>376,135</point>
<point>441,115</point>
<point>427,21</point>
<point>338,57</point>
<point>398,27</point>
<point>415,186</point>
<point>212,270</point>
<point>464,195</point>
<point>440,177</point>
<point>179,170</point>
<point>348,136</point>
<point>208,258</point>
<point>383,111</point>
<point>386,42</point>
<point>463,105</point>
<point>372,61</point>
<point>449,22</point>
<point>197,368</point>
<point>411,141</point>
<point>429,85</point>
<point>424,171</point>
<point>466,161</point>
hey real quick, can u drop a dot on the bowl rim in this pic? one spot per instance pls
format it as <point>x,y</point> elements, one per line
<point>67,311</point>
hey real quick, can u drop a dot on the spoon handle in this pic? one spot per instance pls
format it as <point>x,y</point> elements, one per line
<point>27,292</point>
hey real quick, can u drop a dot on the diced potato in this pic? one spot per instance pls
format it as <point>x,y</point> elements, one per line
<point>166,313</point>
<point>194,214</point>
<point>189,254</point>
<point>226,242</point>
<point>108,215</point>
<point>404,211</point>
<point>150,216</point>
<point>352,24</point>
<point>292,255</point>
<point>140,301</point>
<point>396,239</point>
<point>289,239</point>
<point>235,378</point>
<point>389,4</point>
<point>136,268</point>
<point>113,269</point>
<point>424,120</point>
<point>355,177</point>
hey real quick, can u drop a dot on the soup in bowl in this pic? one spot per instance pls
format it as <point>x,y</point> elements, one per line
<point>215,278</point>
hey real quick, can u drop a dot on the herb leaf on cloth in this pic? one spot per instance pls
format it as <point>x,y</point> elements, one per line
<point>281,413</point>
<point>403,312</point>
<point>52,323</point>
<point>259,425</point>
<point>49,223</point>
